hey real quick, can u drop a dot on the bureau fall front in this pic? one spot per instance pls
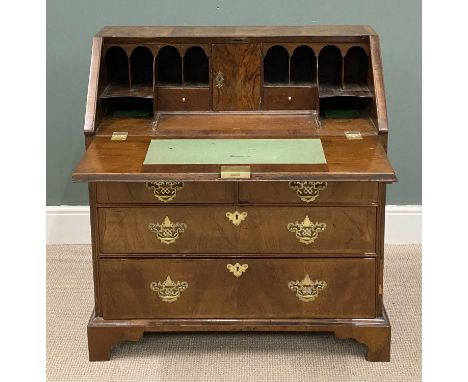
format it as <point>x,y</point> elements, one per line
<point>237,181</point>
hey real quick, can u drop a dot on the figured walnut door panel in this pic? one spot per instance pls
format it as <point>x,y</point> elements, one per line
<point>237,229</point>
<point>236,76</point>
<point>267,288</point>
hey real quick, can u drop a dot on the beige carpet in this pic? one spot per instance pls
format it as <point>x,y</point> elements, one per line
<point>228,357</point>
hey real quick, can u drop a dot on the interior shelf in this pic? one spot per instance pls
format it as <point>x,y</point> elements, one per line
<point>303,66</point>
<point>289,85</point>
<point>117,66</point>
<point>196,67</point>
<point>345,91</point>
<point>173,71</point>
<point>127,107</point>
<point>169,64</point>
<point>141,64</point>
<point>345,107</point>
<point>356,67</point>
<point>330,66</point>
<point>137,90</point>
<point>276,66</point>
<point>207,125</point>
<point>282,70</point>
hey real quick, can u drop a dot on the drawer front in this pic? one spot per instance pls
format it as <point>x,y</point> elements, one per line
<point>235,229</point>
<point>183,99</point>
<point>290,98</point>
<point>162,192</point>
<point>253,288</point>
<point>308,192</point>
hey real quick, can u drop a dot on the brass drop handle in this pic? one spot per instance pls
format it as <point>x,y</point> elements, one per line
<point>219,79</point>
<point>165,191</point>
<point>183,99</point>
<point>167,232</point>
<point>308,191</point>
<point>289,98</point>
<point>306,231</point>
<point>306,289</point>
<point>168,290</point>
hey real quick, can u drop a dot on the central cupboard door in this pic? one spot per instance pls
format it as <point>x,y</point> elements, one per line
<point>236,76</point>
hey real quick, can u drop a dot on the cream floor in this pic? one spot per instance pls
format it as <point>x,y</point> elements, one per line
<point>229,356</point>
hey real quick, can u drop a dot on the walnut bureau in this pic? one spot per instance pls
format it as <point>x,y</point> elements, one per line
<point>258,247</point>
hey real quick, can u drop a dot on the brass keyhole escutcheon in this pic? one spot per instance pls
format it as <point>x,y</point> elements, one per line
<point>219,79</point>
<point>236,217</point>
<point>237,269</point>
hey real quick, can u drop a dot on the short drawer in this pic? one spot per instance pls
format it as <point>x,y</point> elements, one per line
<point>237,288</point>
<point>307,192</point>
<point>165,192</point>
<point>179,99</point>
<point>290,98</point>
<point>235,229</point>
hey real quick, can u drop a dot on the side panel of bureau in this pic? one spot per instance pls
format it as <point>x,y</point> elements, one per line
<point>181,229</point>
<point>268,288</point>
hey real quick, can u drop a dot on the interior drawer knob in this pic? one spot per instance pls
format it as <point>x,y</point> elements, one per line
<point>183,99</point>
<point>308,191</point>
<point>289,98</point>
<point>169,290</point>
<point>165,191</point>
<point>236,217</point>
<point>167,232</point>
<point>237,269</point>
<point>306,231</point>
<point>307,290</point>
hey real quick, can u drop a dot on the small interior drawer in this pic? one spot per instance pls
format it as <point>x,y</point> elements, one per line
<point>290,98</point>
<point>180,99</point>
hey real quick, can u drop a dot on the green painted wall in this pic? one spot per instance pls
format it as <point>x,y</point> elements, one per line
<point>71,25</point>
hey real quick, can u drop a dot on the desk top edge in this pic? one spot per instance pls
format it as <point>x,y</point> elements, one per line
<point>236,31</point>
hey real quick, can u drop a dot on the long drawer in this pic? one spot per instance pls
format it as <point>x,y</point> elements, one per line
<point>163,192</point>
<point>307,192</point>
<point>244,288</point>
<point>234,229</point>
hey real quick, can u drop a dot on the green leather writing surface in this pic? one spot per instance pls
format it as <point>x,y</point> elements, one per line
<point>235,151</point>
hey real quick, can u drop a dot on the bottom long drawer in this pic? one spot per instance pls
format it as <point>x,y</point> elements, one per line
<point>237,288</point>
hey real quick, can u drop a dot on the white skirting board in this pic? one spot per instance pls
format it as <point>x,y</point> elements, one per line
<point>70,225</point>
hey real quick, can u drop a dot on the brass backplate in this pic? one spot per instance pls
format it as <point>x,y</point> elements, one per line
<point>235,172</point>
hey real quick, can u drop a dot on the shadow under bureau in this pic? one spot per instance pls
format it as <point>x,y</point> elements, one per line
<point>237,245</point>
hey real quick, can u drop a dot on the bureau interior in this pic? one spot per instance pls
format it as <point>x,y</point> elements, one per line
<point>151,78</point>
